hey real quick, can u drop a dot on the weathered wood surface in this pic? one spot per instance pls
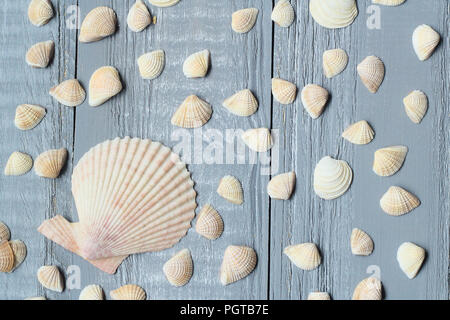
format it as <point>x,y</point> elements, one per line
<point>144,110</point>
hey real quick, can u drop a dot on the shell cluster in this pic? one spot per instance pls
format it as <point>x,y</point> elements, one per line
<point>12,252</point>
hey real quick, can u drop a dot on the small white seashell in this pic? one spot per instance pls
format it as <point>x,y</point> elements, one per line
<point>284,91</point>
<point>40,12</point>
<point>334,62</point>
<point>36,298</point>
<point>5,234</point>
<point>18,164</point>
<point>192,113</point>
<point>314,99</point>
<point>371,71</point>
<point>50,163</point>
<point>332,178</point>
<point>231,189</point>
<point>104,84</point>
<point>128,292</point>
<point>425,40</point>
<point>50,277</point>
<point>416,105</point>
<point>242,103</point>
<point>99,23</point>
<point>359,133</point>
<point>40,54</point>
<point>397,201</point>
<point>361,243</point>
<point>281,186</point>
<point>197,64</point>
<point>179,268</point>
<point>305,256</point>
<point>69,93</point>
<point>283,14</point>
<point>139,17</point>
<point>209,223</point>
<point>28,116</point>
<point>92,292</point>
<point>242,21</point>
<point>238,263</point>
<point>387,161</point>
<point>151,64</point>
<point>368,289</point>
<point>333,14</point>
<point>6,257</point>
<point>388,2</point>
<point>259,140</point>
<point>163,3</point>
<point>410,258</point>
<point>319,296</point>
<point>20,252</point>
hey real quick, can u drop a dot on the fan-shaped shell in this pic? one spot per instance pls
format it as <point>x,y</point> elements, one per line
<point>425,40</point>
<point>410,258</point>
<point>18,164</point>
<point>361,243</point>
<point>40,12</point>
<point>283,14</point>
<point>20,252</point>
<point>163,3</point>
<point>332,178</point>
<point>371,71</point>
<point>151,64</point>
<point>238,263</point>
<point>139,17</point>
<point>197,64</point>
<point>397,201</point>
<point>50,163</point>
<point>92,292</point>
<point>28,116</point>
<point>242,21</point>
<point>359,133</point>
<point>69,93</point>
<point>99,23</point>
<point>334,62</point>
<point>6,257</point>
<point>5,234</point>
<point>179,268</point>
<point>209,223</point>
<point>416,105</point>
<point>388,2</point>
<point>132,196</point>
<point>306,256</point>
<point>105,83</point>
<point>333,14</point>
<point>192,113</point>
<point>319,296</point>
<point>368,289</point>
<point>284,91</point>
<point>40,54</point>
<point>281,186</point>
<point>51,278</point>
<point>128,292</point>
<point>387,161</point>
<point>242,103</point>
<point>259,140</point>
<point>314,99</point>
<point>230,189</point>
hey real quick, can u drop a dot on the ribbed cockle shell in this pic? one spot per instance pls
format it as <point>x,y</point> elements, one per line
<point>416,105</point>
<point>242,21</point>
<point>397,201</point>
<point>361,243</point>
<point>259,140</point>
<point>281,186</point>
<point>209,223</point>
<point>18,164</point>
<point>242,103</point>
<point>192,113</point>
<point>230,188</point>
<point>425,40</point>
<point>283,14</point>
<point>371,71</point>
<point>306,256</point>
<point>40,12</point>
<point>179,268</point>
<point>139,17</point>
<point>151,64</point>
<point>238,263</point>
<point>128,292</point>
<point>69,93</point>
<point>50,163</point>
<point>104,84</point>
<point>368,289</point>
<point>51,278</point>
<point>40,54</point>
<point>28,116</point>
<point>410,258</point>
<point>99,23</point>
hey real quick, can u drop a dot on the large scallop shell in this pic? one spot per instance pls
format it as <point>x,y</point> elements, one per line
<point>230,188</point>
<point>281,186</point>
<point>139,17</point>
<point>92,292</point>
<point>192,113</point>
<point>361,243</point>
<point>242,103</point>
<point>28,116</point>
<point>50,163</point>
<point>388,2</point>
<point>18,164</point>
<point>5,234</point>
<point>319,296</point>
<point>179,268</point>
<point>359,133</point>
<point>332,178</point>
<point>6,256</point>
<point>69,93</point>
<point>283,14</point>
<point>197,64</point>
<point>397,201</point>
<point>416,105</point>
<point>128,292</point>
<point>333,14</point>
<point>314,99</point>
<point>40,54</point>
<point>163,3</point>
<point>151,64</point>
<point>132,196</point>
<point>99,23</point>
<point>20,252</point>
<point>410,258</point>
<point>387,161</point>
<point>334,62</point>
<point>306,256</point>
<point>284,91</point>
<point>238,263</point>
<point>40,12</point>
<point>242,21</point>
<point>209,223</point>
<point>51,278</point>
<point>259,140</point>
<point>368,289</point>
<point>104,84</point>
<point>425,40</point>
<point>371,71</point>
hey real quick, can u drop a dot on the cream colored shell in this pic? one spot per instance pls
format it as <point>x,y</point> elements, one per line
<point>283,14</point>
<point>332,178</point>
<point>284,91</point>
<point>51,278</point>
<point>50,163</point>
<point>333,14</point>
<point>40,12</point>
<point>334,62</point>
<point>416,105</point>
<point>209,223</point>
<point>314,99</point>
<point>139,17</point>
<point>40,54</point>
<point>259,140</point>
<point>410,258</point>
<point>371,71</point>
<point>163,3</point>
<point>230,188</point>
<point>151,64</point>
<point>18,164</point>
<point>361,243</point>
<point>99,23</point>
<point>319,296</point>
<point>281,186</point>
<point>92,292</point>
<point>368,289</point>
<point>425,40</point>
<point>178,270</point>
<point>242,103</point>
<point>128,292</point>
<point>305,256</point>
<point>69,93</point>
<point>389,2</point>
<point>359,133</point>
<point>192,113</point>
<point>104,84</point>
<point>387,161</point>
<point>6,256</point>
<point>20,252</point>
<point>397,201</point>
<point>28,116</point>
<point>197,64</point>
<point>242,21</point>
<point>238,263</point>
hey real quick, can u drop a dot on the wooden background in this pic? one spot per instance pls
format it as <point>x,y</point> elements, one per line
<point>144,110</point>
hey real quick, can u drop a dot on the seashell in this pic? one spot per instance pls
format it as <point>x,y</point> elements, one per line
<point>305,256</point>
<point>371,71</point>
<point>281,186</point>
<point>20,252</point>
<point>397,201</point>
<point>333,14</point>
<point>40,12</point>
<point>128,292</point>
<point>416,105</point>
<point>6,257</point>
<point>259,140</point>
<point>104,84</point>
<point>283,14</point>
<point>242,103</point>
<point>387,161</point>
<point>230,189</point>
<point>163,3</point>
<point>361,243</point>
<point>332,178</point>
<point>99,23</point>
<point>410,258</point>
<point>359,133</point>
<point>368,289</point>
<point>192,113</point>
<point>209,223</point>
<point>425,40</point>
<point>18,164</point>
<point>388,2</point>
<point>238,263</point>
<point>28,116</point>
<point>69,93</point>
<point>92,292</point>
<point>242,21</point>
<point>50,277</point>
<point>314,99</point>
<point>284,91</point>
<point>178,269</point>
<point>334,62</point>
<point>5,234</point>
<point>139,17</point>
<point>151,64</point>
<point>36,298</point>
<point>197,64</point>
<point>319,296</point>
<point>140,199</point>
<point>50,163</point>
<point>40,55</point>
